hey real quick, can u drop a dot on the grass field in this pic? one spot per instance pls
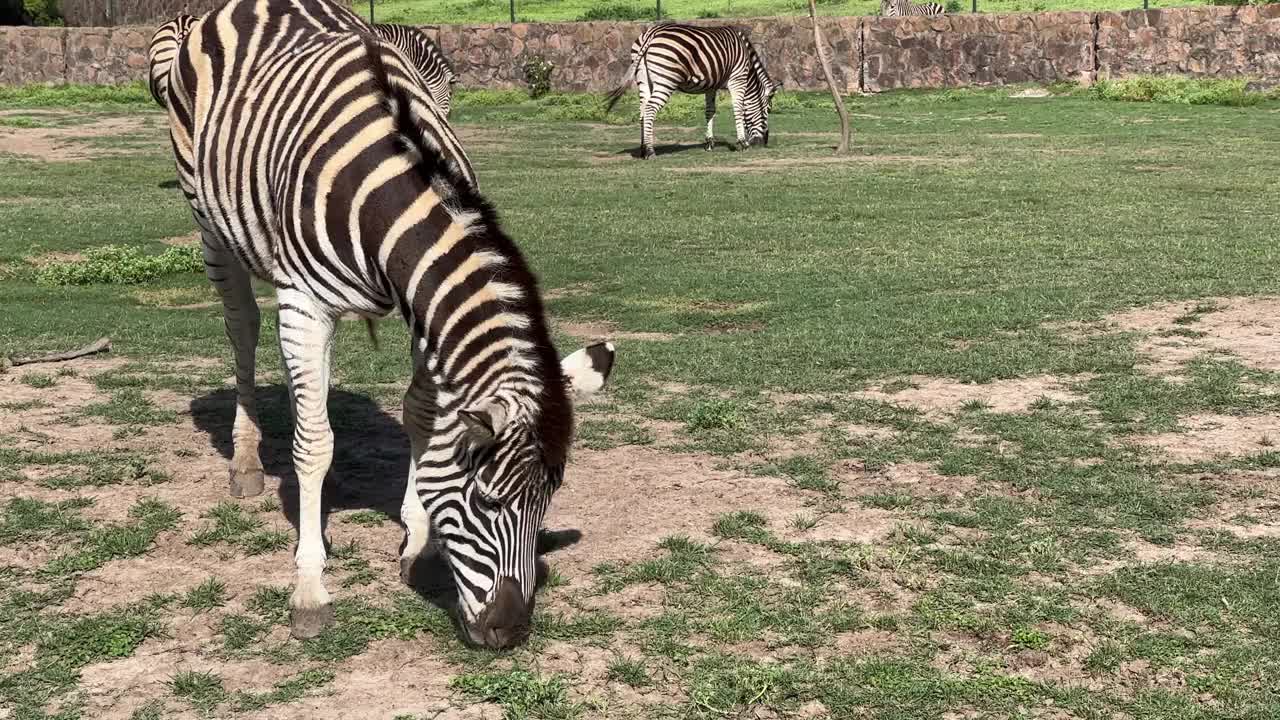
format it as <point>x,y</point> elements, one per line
<point>428,12</point>
<point>979,421</point>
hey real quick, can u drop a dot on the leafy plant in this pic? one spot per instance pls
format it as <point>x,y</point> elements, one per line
<point>43,12</point>
<point>115,265</point>
<point>537,72</point>
<point>1178,90</point>
<point>621,11</point>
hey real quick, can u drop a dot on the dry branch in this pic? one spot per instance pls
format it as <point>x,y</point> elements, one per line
<point>825,60</point>
<point>93,348</point>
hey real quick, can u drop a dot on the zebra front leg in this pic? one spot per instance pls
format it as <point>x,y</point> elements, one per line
<point>306,340</point>
<point>243,322</point>
<point>419,404</point>
<point>739,121</point>
<point>710,143</point>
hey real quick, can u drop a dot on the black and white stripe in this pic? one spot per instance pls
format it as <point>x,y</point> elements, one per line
<point>901,8</point>
<point>314,159</point>
<point>164,45</point>
<point>669,57</point>
<point>437,74</point>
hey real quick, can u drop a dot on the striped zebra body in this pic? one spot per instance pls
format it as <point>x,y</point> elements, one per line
<point>437,74</point>
<point>313,158</point>
<point>903,8</point>
<point>669,57</point>
<point>160,53</point>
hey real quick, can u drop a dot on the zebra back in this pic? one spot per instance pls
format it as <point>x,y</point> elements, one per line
<point>438,75</point>
<point>164,45</point>
<point>901,8</point>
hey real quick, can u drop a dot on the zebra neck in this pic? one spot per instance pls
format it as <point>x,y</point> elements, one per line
<point>469,299</point>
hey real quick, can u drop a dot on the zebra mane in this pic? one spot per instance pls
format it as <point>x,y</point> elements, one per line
<point>554,429</point>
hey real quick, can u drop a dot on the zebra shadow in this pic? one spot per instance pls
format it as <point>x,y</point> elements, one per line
<point>370,465</point>
<point>674,148</point>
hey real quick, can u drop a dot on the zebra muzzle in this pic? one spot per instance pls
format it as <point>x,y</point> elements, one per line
<point>504,621</point>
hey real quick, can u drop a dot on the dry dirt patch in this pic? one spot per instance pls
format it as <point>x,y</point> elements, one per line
<point>1209,437</point>
<point>1246,327</point>
<point>764,165</point>
<point>602,330</point>
<point>67,144</point>
<point>939,397</point>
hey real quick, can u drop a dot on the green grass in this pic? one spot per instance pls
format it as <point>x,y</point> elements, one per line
<point>498,11</point>
<point>907,572</point>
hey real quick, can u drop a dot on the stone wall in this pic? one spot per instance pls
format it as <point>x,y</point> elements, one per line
<point>962,50</point>
<point>868,54</point>
<point>594,56</point>
<point>1199,41</point>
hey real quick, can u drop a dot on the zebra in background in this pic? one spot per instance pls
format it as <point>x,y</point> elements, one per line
<point>669,57</point>
<point>437,74</point>
<point>313,158</point>
<point>903,8</point>
<point>164,45</point>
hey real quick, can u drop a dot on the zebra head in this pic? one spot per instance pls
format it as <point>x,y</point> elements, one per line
<point>757,118</point>
<point>492,540</point>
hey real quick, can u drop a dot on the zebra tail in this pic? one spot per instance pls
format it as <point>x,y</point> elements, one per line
<point>621,90</point>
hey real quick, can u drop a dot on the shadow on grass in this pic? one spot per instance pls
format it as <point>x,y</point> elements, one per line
<point>370,467</point>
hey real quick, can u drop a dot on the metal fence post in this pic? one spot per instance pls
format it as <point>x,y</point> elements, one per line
<point>370,12</point>
<point>513,11</point>
<point>975,5</point>
<point>658,13</point>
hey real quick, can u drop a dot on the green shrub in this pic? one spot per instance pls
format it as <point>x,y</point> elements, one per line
<point>116,265</point>
<point>620,11</point>
<point>955,6</point>
<point>1179,90</point>
<point>537,72</point>
<point>488,98</point>
<point>43,12</point>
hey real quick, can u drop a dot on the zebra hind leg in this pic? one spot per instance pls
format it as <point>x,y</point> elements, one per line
<point>306,340</point>
<point>710,143</point>
<point>243,322</point>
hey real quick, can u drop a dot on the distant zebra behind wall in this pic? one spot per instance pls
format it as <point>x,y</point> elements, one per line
<point>669,57</point>
<point>438,75</point>
<point>897,8</point>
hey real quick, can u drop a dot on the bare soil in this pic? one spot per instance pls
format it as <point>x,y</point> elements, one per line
<point>65,144</point>
<point>940,397</point>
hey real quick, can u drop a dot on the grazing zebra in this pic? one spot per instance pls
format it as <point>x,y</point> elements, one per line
<point>896,8</point>
<point>313,159</point>
<point>164,45</point>
<point>437,73</point>
<point>669,57</point>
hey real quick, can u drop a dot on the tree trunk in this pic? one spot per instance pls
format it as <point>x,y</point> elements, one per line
<point>831,81</point>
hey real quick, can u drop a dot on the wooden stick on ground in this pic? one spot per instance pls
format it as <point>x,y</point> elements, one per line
<point>97,346</point>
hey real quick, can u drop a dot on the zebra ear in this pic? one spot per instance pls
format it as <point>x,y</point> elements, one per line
<point>484,421</point>
<point>588,369</point>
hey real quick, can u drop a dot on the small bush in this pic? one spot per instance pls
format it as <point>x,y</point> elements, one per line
<point>537,72</point>
<point>43,12</point>
<point>619,11</point>
<point>708,14</point>
<point>115,265</point>
<point>955,6</point>
<point>1178,90</point>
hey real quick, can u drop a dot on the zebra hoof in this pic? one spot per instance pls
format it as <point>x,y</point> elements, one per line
<point>648,154</point>
<point>709,145</point>
<point>247,483</point>
<point>305,623</point>
<point>743,146</point>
